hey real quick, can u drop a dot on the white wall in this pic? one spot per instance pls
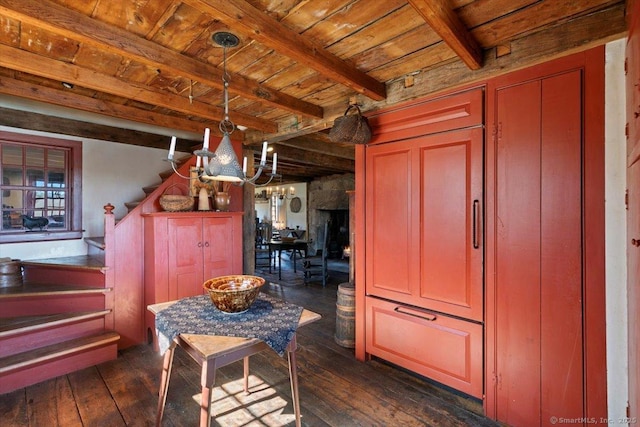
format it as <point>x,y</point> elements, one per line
<point>297,219</point>
<point>615,231</point>
<point>111,173</point>
<point>115,173</point>
<point>22,104</point>
<point>262,210</point>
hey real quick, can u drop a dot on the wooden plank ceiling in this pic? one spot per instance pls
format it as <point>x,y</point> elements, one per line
<point>298,65</point>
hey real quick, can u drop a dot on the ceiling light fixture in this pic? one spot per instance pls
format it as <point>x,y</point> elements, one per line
<point>223,165</point>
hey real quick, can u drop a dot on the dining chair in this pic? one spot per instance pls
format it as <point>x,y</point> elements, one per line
<point>262,255</point>
<point>316,265</point>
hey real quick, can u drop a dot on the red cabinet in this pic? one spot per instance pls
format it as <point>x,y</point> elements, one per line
<point>539,248</point>
<point>544,313</point>
<point>424,243</point>
<point>183,249</point>
<point>501,238</point>
<point>633,287</point>
<point>423,203</point>
<point>441,347</point>
<point>633,214</point>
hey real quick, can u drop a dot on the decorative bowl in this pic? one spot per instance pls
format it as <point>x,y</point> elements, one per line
<point>288,239</point>
<point>235,293</point>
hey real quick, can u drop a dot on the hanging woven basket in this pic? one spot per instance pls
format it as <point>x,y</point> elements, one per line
<point>352,127</point>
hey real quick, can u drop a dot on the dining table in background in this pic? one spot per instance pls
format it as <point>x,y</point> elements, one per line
<point>296,246</point>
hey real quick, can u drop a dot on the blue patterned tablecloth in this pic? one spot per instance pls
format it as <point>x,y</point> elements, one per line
<point>270,319</point>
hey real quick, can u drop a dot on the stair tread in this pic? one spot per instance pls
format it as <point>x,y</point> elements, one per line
<point>98,242</point>
<point>43,354</point>
<point>22,324</point>
<point>179,162</point>
<point>166,174</point>
<point>41,289</point>
<point>150,188</point>
<point>80,262</point>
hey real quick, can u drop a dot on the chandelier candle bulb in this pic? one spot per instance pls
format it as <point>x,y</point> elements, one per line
<point>172,148</point>
<point>263,159</point>
<point>244,166</point>
<point>275,162</point>
<point>198,161</point>
<point>205,143</point>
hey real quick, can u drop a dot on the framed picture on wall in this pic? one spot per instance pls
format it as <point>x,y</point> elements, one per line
<point>295,205</point>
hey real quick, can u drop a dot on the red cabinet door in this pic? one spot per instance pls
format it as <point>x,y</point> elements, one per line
<point>633,214</point>
<point>539,321</point>
<point>390,221</point>
<point>186,244</point>
<point>424,222</point>
<point>219,247</point>
<point>450,215</point>
<point>633,287</point>
<point>444,348</point>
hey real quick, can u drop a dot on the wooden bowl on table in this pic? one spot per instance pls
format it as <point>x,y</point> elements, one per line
<point>235,293</point>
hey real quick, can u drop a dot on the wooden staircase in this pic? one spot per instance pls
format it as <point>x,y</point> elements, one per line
<point>75,312</point>
<point>60,320</point>
<point>151,189</point>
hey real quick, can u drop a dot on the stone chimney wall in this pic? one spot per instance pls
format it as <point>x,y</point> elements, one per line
<point>326,194</point>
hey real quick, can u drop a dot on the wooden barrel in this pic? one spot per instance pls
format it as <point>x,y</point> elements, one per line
<point>346,316</point>
<point>10,274</point>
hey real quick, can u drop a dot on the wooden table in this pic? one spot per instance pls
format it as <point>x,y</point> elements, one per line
<point>293,232</point>
<point>279,246</point>
<point>213,352</point>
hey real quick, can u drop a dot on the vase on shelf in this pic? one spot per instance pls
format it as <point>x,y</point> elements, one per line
<point>222,200</point>
<point>203,200</point>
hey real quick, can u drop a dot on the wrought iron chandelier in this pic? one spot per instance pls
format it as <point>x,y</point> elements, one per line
<point>223,165</point>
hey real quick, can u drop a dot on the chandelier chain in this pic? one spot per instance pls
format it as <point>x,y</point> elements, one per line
<point>223,165</point>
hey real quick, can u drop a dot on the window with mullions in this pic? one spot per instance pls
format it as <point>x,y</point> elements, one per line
<point>41,188</point>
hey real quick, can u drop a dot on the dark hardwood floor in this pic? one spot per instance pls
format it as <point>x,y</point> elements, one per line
<point>335,389</point>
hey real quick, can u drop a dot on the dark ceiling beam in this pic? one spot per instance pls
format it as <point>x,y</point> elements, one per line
<point>76,26</point>
<point>246,19</point>
<point>253,137</point>
<point>310,158</point>
<point>40,122</point>
<point>291,171</point>
<point>322,147</point>
<point>288,178</point>
<point>444,21</point>
<point>317,142</point>
<point>66,98</point>
<point>38,65</point>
